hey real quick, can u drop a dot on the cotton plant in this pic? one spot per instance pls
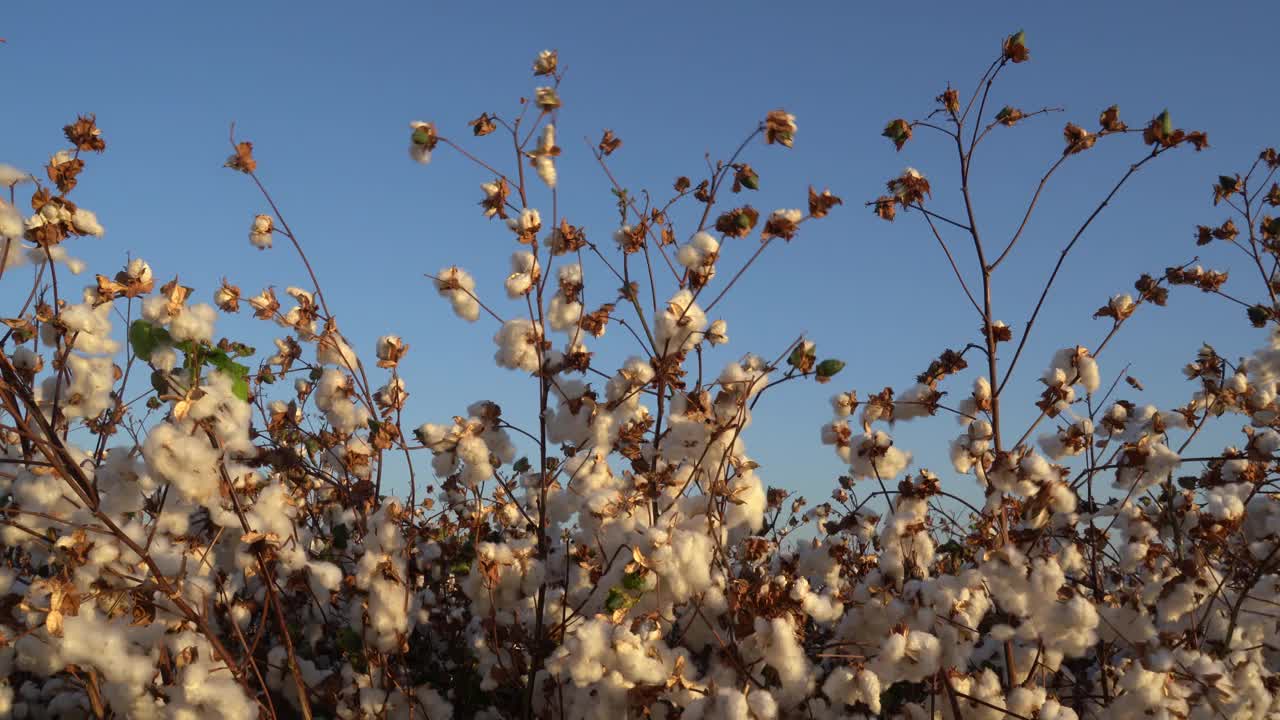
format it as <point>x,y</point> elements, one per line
<point>192,527</point>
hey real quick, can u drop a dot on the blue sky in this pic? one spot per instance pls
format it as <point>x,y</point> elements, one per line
<point>325,90</point>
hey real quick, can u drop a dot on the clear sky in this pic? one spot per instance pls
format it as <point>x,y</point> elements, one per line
<point>325,90</point>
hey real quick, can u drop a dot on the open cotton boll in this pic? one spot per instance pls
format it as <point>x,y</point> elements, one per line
<point>10,176</point>
<point>186,461</point>
<point>1076,362</point>
<point>86,222</point>
<point>194,323</point>
<point>701,250</point>
<point>332,349</point>
<point>544,160</point>
<point>848,687</point>
<point>679,325</point>
<point>39,255</point>
<point>524,274</point>
<point>12,253</point>
<point>527,223</point>
<point>458,287</point>
<point>260,231</point>
<point>911,655</point>
<point>335,395</point>
<point>781,650</point>
<point>562,315</point>
<point>519,343</point>
<point>89,327</point>
<point>11,223</point>
<point>89,392</point>
<point>875,456</point>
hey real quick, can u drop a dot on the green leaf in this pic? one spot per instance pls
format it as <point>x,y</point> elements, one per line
<point>1166,123</point>
<point>617,600</point>
<point>160,381</point>
<point>421,136</point>
<point>521,465</point>
<point>340,536</point>
<point>238,373</point>
<point>349,640</point>
<point>633,581</point>
<point>146,338</point>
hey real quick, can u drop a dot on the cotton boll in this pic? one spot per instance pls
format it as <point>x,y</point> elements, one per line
<point>421,142</point>
<point>11,176</point>
<point>911,656</point>
<point>915,402</point>
<point>519,345</point>
<point>186,461</point>
<point>40,255</point>
<point>699,256</point>
<point>475,453</point>
<point>89,327</point>
<point>389,616</point>
<point>458,287</point>
<point>678,323</point>
<point>1077,367</point>
<point>563,316</point>
<point>12,253</point>
<point>725,704</point>
<point>27,360</point>
<point>718,333</point>
<point>334,395</point>
<point>86,222</point>
<point>332,349</point>
<point>544,160</point>
<point>527,223</point>
<point>782,651</point>
<point>11,222</point>
<point>848,687</point>
<point>875,456</point>
<point>260,231</point>
<point>824,609</point>
<point>193,323</point>
<point>89,392</point>
<point>524,274</point>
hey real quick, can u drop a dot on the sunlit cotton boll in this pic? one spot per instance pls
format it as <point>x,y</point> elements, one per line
<point>11,223</point>
<point>518,345</point>
<point>458,287</point>
<point>86,223</point>
<point>544,162</point>
<point>678,322</point>
<point>524,274</point>
<point>260,232</point>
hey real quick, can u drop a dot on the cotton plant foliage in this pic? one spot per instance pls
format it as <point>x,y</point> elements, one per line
<point>194,528</point>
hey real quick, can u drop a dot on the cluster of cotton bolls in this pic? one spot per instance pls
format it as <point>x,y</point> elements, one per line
<point>243,542</point>
<point>1048,616</point>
